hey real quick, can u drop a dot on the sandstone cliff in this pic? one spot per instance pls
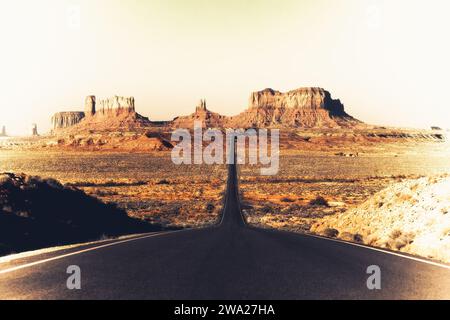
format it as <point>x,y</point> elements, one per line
<point>304,107</point>
<point>89,106</point>
<point>63,120</point>
<point>115,105</point>
<point>111,114</point>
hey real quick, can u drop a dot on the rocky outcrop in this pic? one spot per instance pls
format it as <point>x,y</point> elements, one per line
<point>89,106</point>
<point>111,114</point>
<point>3,133</point>
<point>109,106</point>
<point>201,106</point>
<point>34,130</point>
<point>303,98</point>
<point>63,120</point>
<point>207,118</point>
<point>304,107</point>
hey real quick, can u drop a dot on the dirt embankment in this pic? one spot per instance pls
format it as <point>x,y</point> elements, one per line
<point>412,216</point>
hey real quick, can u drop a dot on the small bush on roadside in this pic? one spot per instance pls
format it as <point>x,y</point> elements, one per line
<point>330,233</point>
<point>210,207</point>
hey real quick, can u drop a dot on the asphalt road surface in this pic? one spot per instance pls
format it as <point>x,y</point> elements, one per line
<point>228,261</point>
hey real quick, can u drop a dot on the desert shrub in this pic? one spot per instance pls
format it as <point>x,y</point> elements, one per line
<point>295,207</point>
<point>372,240</point>
<point>210,207</point>
<point>199,192</point>
<point>395,234</point>
<point>267,208</point>
<point>330,232</point>
<point>246,206</point>
<point>347,236</point>
<point>403,240</point>
<point>358,238</point>
<point>319,201</point>
<point>104,193</point>
<point>163,181</point>
<point>286,199</point>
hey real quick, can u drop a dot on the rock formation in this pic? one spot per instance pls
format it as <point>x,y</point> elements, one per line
<point>301,108</point>
<point>111,114</point>
<point>304,107</point>
<point>209,119</point>
<point>201,106</point>
<point>89,106</point>
<point>63,120</point>
<point>34,130</point>
<point>115,105</point>
<point>3,133</point>
<point>109,106</point>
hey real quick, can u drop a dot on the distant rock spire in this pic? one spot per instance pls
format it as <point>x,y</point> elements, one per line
<point>3,134</point>
<point>89,106</point>
<point>34,130</point>
<point>201,105</point>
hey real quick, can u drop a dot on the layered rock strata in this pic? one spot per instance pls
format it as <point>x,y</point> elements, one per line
<point>63,120</point>
<point>304,107</point>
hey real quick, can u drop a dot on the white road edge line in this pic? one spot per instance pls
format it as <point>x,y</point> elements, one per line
<point>85,250</point>
<point>437,264</point>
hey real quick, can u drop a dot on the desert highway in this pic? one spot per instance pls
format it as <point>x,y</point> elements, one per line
<point>228,261</point>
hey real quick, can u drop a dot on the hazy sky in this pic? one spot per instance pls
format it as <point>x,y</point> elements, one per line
<point>388,61</point>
